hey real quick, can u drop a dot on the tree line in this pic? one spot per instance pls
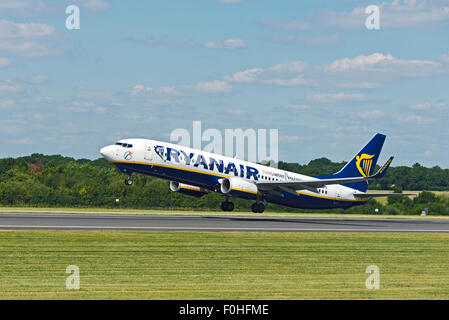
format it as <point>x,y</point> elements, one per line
<point>56,181</point>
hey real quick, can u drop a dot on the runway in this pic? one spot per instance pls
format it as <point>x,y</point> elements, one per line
<point>215,223</point>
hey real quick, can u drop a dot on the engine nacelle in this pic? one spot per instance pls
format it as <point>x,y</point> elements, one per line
<point>238,187</point>
<point>187,189</point>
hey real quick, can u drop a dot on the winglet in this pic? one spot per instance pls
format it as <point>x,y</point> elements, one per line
<point>382,170</point>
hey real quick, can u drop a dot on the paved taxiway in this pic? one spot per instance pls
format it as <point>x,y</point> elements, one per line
<point>216,223</point>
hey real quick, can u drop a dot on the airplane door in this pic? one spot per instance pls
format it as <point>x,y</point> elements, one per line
<point>148,152</point>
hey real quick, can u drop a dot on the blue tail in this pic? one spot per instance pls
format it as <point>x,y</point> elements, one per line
<point>362,164</point>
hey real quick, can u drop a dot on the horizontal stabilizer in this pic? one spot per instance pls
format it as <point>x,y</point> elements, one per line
<point>383,170</point>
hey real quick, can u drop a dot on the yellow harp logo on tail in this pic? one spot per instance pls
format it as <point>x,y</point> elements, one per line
<point>364,163</point>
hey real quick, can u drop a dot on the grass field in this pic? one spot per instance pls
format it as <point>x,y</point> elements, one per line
<point>201,265</point>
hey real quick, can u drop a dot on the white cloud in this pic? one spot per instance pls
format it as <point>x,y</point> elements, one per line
<point>283,74</point>
<point>296,81</point>
<point>141,89</point>
<point>25,39</point>
<point>30,49</point>
<point>12,30</point>
<point>375,70</point>
<point>248,75</point>
<point>213,86</point>
<point>360,62</point>
<point>22,7</point>
<point>289,67</point>
<point>334,97</point>
<point>226,44</point>
<point>216,86</point>
<point>380,62</point>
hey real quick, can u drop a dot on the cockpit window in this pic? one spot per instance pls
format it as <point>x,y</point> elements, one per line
<point>124,145</point>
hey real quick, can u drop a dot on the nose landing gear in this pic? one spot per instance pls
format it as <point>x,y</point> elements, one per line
<point>128,181</point>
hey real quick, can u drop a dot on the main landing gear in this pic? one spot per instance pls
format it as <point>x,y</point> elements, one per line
<point>258,207</point>
<point>227,206</point>
<point>128,181</point>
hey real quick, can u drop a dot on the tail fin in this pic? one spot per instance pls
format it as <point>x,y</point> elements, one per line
<point>363,163</point>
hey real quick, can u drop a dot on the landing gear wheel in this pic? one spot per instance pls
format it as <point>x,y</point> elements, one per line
<point>128,181</point>
<point>258,207</point>
<point>227,206</point>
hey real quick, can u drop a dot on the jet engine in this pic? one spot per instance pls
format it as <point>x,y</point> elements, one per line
<point>240,187</point>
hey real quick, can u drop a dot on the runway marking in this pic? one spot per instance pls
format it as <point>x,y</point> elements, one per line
<point>222,229</point>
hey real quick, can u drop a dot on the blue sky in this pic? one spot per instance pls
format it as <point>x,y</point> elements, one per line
<point>310,69</point>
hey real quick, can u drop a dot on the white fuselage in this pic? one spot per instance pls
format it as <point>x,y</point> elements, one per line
<point>204,169</point>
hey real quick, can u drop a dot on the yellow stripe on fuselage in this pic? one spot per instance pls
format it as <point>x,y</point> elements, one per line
<point>329,198</point>
<point>245,191</point>
<point>173,167</point>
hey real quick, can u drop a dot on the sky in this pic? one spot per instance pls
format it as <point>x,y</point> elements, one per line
<point>310,69</point>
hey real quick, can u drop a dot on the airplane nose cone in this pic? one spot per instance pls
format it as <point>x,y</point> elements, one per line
<point>106,152</point>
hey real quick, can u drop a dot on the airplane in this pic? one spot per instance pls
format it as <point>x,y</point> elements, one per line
<point>196,173</point>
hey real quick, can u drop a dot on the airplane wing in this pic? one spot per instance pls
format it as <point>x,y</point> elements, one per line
<point>312,184</point>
